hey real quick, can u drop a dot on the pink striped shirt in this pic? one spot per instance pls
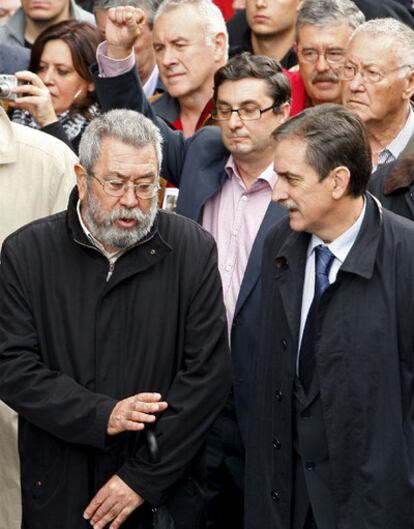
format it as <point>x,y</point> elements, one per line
<point>233,217</point>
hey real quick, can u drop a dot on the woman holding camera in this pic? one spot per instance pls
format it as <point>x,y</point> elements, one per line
<point>58,95</point>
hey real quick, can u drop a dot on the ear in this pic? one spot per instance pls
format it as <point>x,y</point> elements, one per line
<point>283,113</point>
<point>409,88</point>
<point>91,87</point>
<point>81,181</point>
<point>339,181</point>
<point>220,46</point>
<point>300,2</point>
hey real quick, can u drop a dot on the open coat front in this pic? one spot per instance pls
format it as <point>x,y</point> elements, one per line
<point>72,343</point>
<point>365,365</point>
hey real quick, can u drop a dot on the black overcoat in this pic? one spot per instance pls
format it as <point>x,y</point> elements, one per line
<point>365,364</point>
<point>73,343</point>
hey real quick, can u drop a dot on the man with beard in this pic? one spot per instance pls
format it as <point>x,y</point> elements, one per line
<point>103,309</point>
<point>323,28</point>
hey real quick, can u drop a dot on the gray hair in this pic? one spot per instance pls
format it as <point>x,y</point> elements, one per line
<point>127,126</point>
<point>327,12</point>
<point>210,14</point>
<point>149,6</point>
<point>402,35</point>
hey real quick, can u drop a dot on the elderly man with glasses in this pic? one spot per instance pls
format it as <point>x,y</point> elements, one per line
<point>225,175</point>
<point>323,28</point>
<point>105,316</point>
<point>378,79</point>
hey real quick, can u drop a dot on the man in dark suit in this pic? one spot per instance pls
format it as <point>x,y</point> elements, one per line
<point>225,176</point>
<point>330,442</point>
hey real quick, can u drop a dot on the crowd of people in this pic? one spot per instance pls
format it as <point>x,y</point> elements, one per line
<point>245,361</point>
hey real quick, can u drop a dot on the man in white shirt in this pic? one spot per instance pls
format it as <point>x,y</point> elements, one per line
<point>330,440</point>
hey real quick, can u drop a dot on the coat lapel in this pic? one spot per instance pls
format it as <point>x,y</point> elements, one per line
<point>290,263</point>
<point>273,214</point>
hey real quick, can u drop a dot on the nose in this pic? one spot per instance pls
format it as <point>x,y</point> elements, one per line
<point>261,3</point>
<point>47,76</point>
<point>129,199</point>
<point>357,83</point>
<point>322,64</point>
<point>235,121</point>
<point>169,57</point>
<point>279,191</point>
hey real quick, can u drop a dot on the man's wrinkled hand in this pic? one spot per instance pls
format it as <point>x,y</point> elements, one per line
<point>113,503</point>
<point>123,26</point>
<point>132,413</point>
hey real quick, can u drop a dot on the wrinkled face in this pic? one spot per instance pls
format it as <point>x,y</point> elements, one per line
<point>381,101</point>
<point>321,79</point>
<point>185,61</point>
<point>119,222</point>
<point>57,71</point>
<point>248,138</point>
<point>39,10</point>
<point>144,53</point>
<point>7,8</point>
<point>308,200</point>
<point>270,17</point>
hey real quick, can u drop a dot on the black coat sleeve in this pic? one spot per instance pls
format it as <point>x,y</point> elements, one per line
<point>45,397</point>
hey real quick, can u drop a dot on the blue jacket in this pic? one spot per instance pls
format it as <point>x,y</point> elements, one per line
<point>196,166</point>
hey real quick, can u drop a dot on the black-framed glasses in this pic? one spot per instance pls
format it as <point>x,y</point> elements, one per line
<point>332,55</point>
<point>247,113</point>
<point>117,188</point>
<point>349,71</point>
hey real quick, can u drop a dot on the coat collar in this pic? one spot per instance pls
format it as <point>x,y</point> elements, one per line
<point>290,261</point>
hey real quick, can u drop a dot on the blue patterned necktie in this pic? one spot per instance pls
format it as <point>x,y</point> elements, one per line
<point>323,262</point>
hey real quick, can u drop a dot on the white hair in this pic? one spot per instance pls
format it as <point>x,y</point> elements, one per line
<point>210,15</point>
<point>402,36</point>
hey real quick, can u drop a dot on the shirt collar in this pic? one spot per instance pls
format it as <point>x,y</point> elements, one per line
<point>151,84</point>
<point>400,141</point>
<point>268,175</point>
<point>342,245</point>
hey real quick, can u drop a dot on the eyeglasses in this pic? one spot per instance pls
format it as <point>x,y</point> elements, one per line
<point>368,74</point>
<point>247,113</point>
<point>116,188</point>
<point>332,56</point>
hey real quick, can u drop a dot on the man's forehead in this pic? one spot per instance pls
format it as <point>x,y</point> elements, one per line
<point>186,12</point>
<point>119,157</point>
<point>336,32</point>
<point>243,90</point>
<point>373,49</point>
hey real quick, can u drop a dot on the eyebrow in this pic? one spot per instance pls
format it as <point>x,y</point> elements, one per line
<point>150,174</point>
<point>288,174</point>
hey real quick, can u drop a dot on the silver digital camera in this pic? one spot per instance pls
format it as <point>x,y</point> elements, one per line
<point>7,82</point>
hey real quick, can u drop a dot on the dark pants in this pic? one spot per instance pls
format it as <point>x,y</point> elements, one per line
<point>225,472</point>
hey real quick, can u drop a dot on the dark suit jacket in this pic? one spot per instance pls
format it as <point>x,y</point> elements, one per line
<point>196,166</point>
<point>393,183</point>
<point>13,59</point>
